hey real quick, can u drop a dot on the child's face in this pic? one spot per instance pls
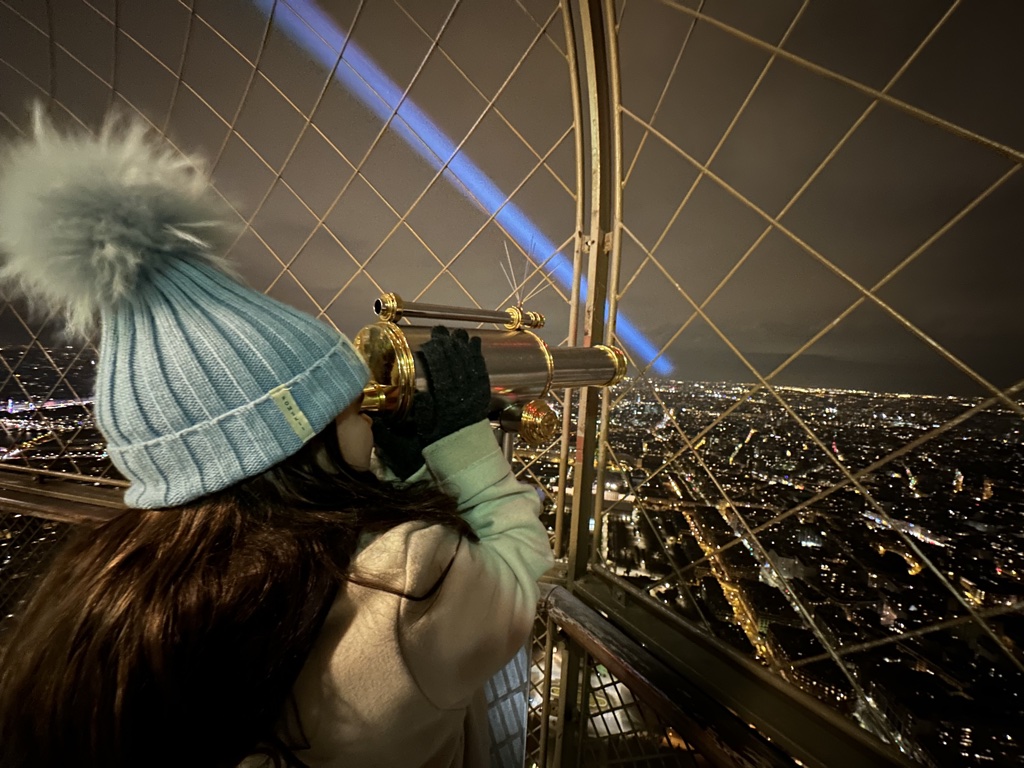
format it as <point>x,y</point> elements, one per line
<point>355,435</point>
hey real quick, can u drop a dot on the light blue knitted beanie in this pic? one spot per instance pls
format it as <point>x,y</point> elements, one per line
<point>201,381</point>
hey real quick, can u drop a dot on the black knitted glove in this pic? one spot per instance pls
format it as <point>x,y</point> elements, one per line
<point>458,388</point>
<point>398,442</point>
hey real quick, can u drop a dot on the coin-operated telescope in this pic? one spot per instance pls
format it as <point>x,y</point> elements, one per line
<point>523,369</point>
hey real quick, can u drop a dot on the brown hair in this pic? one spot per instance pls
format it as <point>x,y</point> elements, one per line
<point>174,637</point>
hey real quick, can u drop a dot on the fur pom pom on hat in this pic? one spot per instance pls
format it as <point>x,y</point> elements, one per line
<point>84,218</point>
<point>201,381</point>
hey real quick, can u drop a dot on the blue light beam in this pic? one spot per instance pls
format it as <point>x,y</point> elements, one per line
<point>321,38</point>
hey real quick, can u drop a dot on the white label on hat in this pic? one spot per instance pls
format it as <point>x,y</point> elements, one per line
<point>292,413</point>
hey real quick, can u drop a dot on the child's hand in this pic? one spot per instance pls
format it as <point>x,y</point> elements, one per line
<point>459,390</point>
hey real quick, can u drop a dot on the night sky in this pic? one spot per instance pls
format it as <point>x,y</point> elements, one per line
<point>892,185</point>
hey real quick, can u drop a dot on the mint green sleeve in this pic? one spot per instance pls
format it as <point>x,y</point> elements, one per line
<point>485,608</point>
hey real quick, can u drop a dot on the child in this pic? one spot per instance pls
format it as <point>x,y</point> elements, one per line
<point>266,598</point>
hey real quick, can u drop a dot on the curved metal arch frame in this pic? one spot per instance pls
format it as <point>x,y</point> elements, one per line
<point>809,731</point>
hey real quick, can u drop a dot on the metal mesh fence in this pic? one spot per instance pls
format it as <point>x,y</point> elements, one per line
<point>543,693</point>
<point>816,457</point>
<point>834,516</point>
<point>620,729</point>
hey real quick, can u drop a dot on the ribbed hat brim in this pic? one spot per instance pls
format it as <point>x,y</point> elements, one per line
<point>184,381</point>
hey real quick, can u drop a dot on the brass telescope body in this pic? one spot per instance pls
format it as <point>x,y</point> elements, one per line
<point>522,368</point>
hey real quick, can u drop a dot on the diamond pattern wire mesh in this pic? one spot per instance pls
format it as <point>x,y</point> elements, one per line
<point>48,420</point>
<point>542,702</point>
<point>313,145</point>
<point>621,730</point>
<point>354,166</point>
<point>826,532</point>
<point>795,520</point>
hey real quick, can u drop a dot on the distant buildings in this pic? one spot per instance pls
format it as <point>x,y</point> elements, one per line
<point>782,556</point>
<point>900,604</point>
